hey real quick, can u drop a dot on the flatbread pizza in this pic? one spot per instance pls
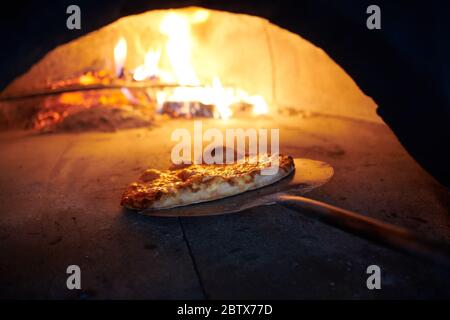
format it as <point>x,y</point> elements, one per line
<point>189,184</point>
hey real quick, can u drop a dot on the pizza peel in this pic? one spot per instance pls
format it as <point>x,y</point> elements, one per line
<point>308,175</point>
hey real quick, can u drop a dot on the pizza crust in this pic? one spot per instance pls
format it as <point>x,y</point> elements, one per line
<point>190,184</point>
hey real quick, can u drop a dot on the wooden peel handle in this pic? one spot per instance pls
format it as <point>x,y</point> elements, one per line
<point>370,228</point>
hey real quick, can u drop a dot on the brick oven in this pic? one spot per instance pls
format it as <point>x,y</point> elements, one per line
<point>83,112</point>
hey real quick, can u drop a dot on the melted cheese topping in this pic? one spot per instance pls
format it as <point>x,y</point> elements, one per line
<point>178,185</point>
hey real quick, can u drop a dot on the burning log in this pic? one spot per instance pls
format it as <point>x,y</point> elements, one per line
<point>92,110</point>
<point>187,109</point>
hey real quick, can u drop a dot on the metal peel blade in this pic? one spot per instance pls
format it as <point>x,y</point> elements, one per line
<point>308,175</point>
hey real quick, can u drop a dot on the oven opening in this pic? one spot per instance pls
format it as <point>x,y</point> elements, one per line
<point>183,63</point>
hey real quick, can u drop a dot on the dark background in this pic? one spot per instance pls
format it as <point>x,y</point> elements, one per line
<point>404,66</point>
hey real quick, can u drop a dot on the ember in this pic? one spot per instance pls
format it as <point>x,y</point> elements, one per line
<point>105,110</point>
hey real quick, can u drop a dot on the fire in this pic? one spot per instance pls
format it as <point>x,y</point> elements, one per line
<point>150,67</point>
<point>120,55</point>
<point>177,28</point>
<point>189,91</point>
<point>199,16</point>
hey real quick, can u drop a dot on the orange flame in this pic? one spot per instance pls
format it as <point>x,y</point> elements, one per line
<point>120,55</point>
<point>149,68</point>
<point>178,47</point>
<point>177,28</point>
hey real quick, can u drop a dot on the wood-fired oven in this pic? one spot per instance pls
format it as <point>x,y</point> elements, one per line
<point>90,109</point>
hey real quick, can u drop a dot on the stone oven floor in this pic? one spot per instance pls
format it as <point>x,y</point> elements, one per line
<point>59,205</point>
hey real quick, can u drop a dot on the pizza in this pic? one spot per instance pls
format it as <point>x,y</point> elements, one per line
<point>188,184</point>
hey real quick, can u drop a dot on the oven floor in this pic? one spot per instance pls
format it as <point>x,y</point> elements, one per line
<point>59,206</point>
